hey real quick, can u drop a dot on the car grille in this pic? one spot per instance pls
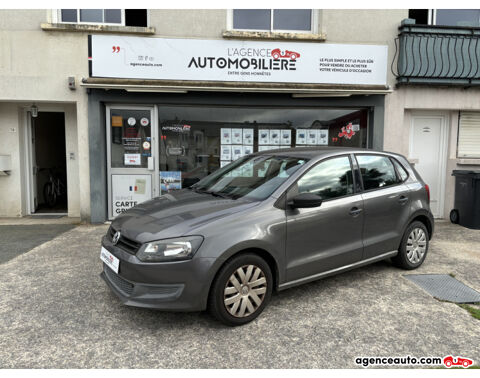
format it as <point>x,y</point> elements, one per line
<point>121,284</point>
<point>128,245</point>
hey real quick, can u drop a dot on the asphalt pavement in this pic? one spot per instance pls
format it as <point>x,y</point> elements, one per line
<point>56,312</point>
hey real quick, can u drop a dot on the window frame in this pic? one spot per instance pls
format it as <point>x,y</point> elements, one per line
<point>295,183</point>
<point>399,176</point>
<point>313,24</point>
<point>400,182</point>
<point>57,18</point>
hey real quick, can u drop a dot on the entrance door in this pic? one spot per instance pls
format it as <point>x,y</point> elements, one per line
<point>131,150</point>
<point>48,164</point>
<point>428,146</point>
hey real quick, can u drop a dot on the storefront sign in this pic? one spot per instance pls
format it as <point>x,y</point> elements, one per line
<point>170,180</point>
<point>129,190</point>
<point>237,61</point>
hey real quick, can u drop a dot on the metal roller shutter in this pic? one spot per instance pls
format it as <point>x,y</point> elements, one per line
<point>469,135</point>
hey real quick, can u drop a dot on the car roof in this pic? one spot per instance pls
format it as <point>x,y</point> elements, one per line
<point>318,151</point>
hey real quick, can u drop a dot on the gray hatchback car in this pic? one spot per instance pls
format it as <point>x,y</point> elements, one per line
<point>268,221</point>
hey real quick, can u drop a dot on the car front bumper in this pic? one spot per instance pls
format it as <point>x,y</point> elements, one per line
<point>172,286</point>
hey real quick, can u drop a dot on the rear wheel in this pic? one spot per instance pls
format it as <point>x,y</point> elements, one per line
<point>241,290</point>
<point>454,216</point>
<point>414,247</point>
<point>49,194</point>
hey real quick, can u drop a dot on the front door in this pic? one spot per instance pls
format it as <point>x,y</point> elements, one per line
<point>329,236</point>
<point>428,148</point>
<point>131,138</point>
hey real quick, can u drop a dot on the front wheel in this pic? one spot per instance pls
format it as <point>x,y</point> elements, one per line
<point>414,247</point>
<point>241,290</point>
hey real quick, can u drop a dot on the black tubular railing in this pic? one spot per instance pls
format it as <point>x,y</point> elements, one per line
<point>437,55</point>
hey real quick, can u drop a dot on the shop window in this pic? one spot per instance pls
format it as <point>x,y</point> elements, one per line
<point>377,171</point>
<point>469,135</point>
<point>195,141</point>
<point>124,17</point>
<point>296,20</point>
<point>130,138</point>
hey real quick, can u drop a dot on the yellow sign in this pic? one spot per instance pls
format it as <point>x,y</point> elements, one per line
<point>117,121</point>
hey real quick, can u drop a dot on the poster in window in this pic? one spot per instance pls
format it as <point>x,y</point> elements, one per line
<point>129,190</point>
<point>266,148</point>
<point>224,163</point>
<point>237,152</point>
<point>248,137</point>
<point>286,137</point>
<point>247,150</point>
<point>226,152</point>
<point>237,136</point>
<point>226,136</point>
<point>170,180</point>
<point>132,159</point>
<point>312,136</point>
<point>322,137</point>
<point>275,137</point>
<point>301,136</point>
<point>263,136</point>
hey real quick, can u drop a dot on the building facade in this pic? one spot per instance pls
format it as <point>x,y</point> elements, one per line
<point>112,107</point>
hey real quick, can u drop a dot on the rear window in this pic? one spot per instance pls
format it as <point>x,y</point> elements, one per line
<point>401,171</point>
<point>377,171</point>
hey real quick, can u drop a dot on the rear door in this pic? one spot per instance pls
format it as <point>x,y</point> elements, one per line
<point>386,201</point>
<point>329,236</point>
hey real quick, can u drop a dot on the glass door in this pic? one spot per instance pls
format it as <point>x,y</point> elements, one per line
<point>131,150</point>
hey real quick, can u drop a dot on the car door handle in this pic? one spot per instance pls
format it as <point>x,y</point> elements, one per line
<point>354,211</point>
<point>402,200</point>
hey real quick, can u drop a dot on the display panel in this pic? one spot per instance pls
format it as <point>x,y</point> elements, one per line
<point>197,140</point>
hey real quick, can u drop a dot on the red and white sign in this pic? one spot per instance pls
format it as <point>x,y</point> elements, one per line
<point>132,159</point>
<point>117,56</point>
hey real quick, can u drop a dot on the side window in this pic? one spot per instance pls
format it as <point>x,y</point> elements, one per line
<point>377,171</point>
<point>401,171</point>
<point>331,178</point>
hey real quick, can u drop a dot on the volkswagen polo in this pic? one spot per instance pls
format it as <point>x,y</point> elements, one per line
<point>267,222</point>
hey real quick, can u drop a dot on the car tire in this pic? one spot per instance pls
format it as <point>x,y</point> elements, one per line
<point>454,216</point>
<point>448,364</point>
<point>413,248</point>
<point>237,298</point>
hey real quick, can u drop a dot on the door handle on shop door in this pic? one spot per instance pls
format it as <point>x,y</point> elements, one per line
<point>354,211</point>
<point>402,200</point>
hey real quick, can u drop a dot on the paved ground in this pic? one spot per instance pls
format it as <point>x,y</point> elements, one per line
<point>18,239</point>
<point>56,312</point>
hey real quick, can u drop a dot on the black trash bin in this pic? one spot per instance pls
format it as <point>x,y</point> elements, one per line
<point>467,199</point>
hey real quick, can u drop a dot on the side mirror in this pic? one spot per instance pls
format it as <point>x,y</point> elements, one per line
<point>305,200</point>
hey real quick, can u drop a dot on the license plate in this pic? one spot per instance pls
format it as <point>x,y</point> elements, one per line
<point>109,259</point>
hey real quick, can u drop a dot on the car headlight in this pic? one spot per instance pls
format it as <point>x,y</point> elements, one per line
<point>170,249</point>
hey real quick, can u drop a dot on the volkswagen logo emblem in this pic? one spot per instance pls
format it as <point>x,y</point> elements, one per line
<point>116,237</point>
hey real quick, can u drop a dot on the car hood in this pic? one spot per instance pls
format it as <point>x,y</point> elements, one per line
<point>175,214</point>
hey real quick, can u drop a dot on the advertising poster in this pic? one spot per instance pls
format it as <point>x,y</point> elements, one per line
<point>225,152</point>
<point>224,163</point>
<point>170,180</point>
<point>226,136</point>
<point>247,150</point>
<point>237,152</point>
<point>275,137</point>
<point>248,136</point>
<point>263,136</point>
<point>312,137</point>
<point>237,136</point>
<point>129,190</point>
<point>132,159</point>
<point>301,136</point>
<point>323,137</point>
<point>286,137</point>
<point>266,148</point>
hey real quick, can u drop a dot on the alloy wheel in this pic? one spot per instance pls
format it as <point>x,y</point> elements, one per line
<point>245,291</point>
<point>416,245</point>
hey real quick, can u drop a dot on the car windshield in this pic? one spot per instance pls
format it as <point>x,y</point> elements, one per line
<point>252,177</point>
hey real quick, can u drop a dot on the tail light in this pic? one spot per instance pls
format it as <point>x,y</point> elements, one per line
<point>427,188</point>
